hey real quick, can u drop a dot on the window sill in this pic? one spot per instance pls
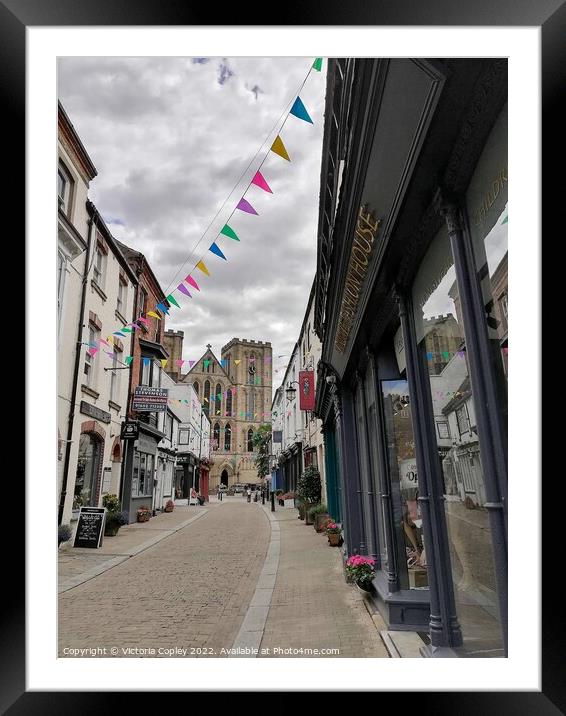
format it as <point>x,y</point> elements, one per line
<point>120,317</point>
<point>98,290</point>
<point>89,391</point>
<point>115,406</point>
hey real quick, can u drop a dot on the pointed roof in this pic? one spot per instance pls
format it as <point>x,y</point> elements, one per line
<point>197,367</point>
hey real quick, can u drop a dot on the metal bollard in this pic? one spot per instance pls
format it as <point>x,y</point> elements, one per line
<point>263,497</point>
<point>273,502</point>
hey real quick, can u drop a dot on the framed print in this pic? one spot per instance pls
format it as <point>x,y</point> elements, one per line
<point>446,519</point>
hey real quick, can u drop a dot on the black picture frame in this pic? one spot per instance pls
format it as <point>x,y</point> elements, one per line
<point>550,16</point>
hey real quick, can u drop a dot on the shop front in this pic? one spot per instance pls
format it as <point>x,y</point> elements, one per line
<point>291,465</point>
<point>140,470</point>
<point>186,475</point>
<point>412,312</point>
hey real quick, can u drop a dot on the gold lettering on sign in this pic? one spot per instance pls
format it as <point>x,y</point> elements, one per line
<point>488,200</point>
<point>366,230</point>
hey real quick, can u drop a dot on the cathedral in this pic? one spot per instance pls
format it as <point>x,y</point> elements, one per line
<point>235,393</point>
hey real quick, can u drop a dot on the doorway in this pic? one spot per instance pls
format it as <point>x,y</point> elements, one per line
<point>224,478</point>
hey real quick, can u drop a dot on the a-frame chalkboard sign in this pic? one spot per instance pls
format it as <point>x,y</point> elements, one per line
<point>90,529</point>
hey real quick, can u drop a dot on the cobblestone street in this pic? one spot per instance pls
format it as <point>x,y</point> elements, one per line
<point>197,587</point>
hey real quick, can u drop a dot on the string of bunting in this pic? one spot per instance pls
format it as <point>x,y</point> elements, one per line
<point>189,285</point>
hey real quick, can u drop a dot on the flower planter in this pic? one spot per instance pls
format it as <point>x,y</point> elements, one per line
<point>168,509</point>
<point>364,588</point>
<point>111,529</point>
<point>321,520</point>
<point>334,540</point>
<point>144,517</point>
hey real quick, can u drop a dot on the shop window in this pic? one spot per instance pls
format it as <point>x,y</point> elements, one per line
<point>408,529</point>
<point>87,472</point>
<point>183,437</point>
<point>64,189</point>
<point>437,306</point>
<point>142,479</point>
<point>89,369</point>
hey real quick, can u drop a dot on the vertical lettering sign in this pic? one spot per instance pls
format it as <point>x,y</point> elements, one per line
<point>366,230</point>
<point>306,388</point>
<point>90,527</point>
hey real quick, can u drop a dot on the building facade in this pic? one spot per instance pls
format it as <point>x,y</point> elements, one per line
<point>75,171</point>
<point>235,393</point>
<point>146,369</point>
<point>411,309</point>
<point>94,460</point>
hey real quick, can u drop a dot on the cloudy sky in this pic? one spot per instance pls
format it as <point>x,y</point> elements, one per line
<point>170,138</point>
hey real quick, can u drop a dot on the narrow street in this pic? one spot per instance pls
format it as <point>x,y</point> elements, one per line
<point>235,576</point>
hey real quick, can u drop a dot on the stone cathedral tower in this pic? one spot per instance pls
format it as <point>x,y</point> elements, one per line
<point>236,393</point>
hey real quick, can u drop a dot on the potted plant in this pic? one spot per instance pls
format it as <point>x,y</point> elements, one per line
<point>114,517</point>
<point>65,533</point>
<point>361,571</point>
<point>319,515</point>
<point>334,533</point>
<point>169,506</point>
<point>143,514</point>
<point>302,507</point>
<point>309,489</point>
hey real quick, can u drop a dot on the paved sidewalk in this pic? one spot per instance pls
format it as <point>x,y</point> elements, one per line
<point>312,606</point>
<point>78,565</point>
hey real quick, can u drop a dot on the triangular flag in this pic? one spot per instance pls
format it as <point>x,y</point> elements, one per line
<point>227,231</point>
<point>172,300</point>
<point>103,341</point>
<point>146,361</point>
<point>163,308</point>
<point>117,333</point>
<point>279,148</point>
<point>179,363</point>
<point>317,64</point>
<point>216,250</point>
<point>128,359</point>
<point>245,205</point>
<point>191,363</point>
<point>299,110</point>
<point>206,400</point>
<point>259,180</point>
<point>183,289</point>
<point>237,362</point>
<point>190,280</point>
<point>127,330</point>
<point>110,354</point>
<point>206,363</point>
<point>203,268</point>
<point>92,352</point>
<point>143,320</point>
<point>505,219</point>
<point>219,396</point>
<point>155,315</point>
<point>163,363</point>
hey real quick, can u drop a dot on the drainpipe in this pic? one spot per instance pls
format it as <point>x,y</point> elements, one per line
<point>75,375</point>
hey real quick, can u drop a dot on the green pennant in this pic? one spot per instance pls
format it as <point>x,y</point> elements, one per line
<point>227,231</point>
<point>505,219</point>
<point>170,299</point>
<point>128,359</point>
<point>317,64</point>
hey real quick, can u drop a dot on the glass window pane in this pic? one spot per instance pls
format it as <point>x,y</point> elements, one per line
<point>442,343</point>
<point>407,518</point>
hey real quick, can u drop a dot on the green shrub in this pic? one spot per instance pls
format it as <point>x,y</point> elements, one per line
<point>320,509</point>
<point>309,486</point>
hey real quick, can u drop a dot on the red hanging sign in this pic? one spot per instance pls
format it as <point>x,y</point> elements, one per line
<point>306,388</point>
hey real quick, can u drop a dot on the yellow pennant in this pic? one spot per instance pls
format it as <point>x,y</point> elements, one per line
<point>203,268</point>
<point>236,362</point>
<point>155,315</point>
<point>163,364</point>
<point>279,148</point>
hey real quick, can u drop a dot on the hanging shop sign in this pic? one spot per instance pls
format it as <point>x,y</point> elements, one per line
<point>90,527</point>
<point>150,400</point>
<point>367,227</point>
<point>306,388</point>
<point>130,430</point>
<point>94,412</point>
<point>277,436</point>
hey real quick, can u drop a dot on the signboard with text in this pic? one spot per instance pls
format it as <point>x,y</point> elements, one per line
<point>150,400</point>
<point>130,431</point>
<point>90,528</point>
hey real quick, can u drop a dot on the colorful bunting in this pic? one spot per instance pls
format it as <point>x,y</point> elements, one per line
<point>163,308</point>
<point>299,110</point>
<point>183,289</point>
<point>201,266</point>
<point>215,249</point>
<point>244,205</point>
<point>155,315</point>
<point>179,363</point>
<point>230,233</point>
<point>173,301</point>
<point>127,330</point>
<point>191,363</point>
<point>206,363</point>
<point>190,280</point>
<point>143,320</point>
<point>146,361</point>
<point>259,180</point>
<point>163,362</point>
<point>92,352</point>
<point>237,362</point>
<point>279,148</point>
<point>128,360</point>
<point>317,64</point>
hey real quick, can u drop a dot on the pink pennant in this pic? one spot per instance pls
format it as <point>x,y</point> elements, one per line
<point>179,363</point>
<point>245,205</point>
<point>190,280</point>
<point>259,180</point>
<point>143,320</point>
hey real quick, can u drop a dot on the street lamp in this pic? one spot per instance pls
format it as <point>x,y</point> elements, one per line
<point>290,391</point>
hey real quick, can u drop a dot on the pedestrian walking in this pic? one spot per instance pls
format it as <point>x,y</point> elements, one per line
<point>249,494</point>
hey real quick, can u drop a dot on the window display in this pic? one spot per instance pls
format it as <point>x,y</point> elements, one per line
<point>412,565</point>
